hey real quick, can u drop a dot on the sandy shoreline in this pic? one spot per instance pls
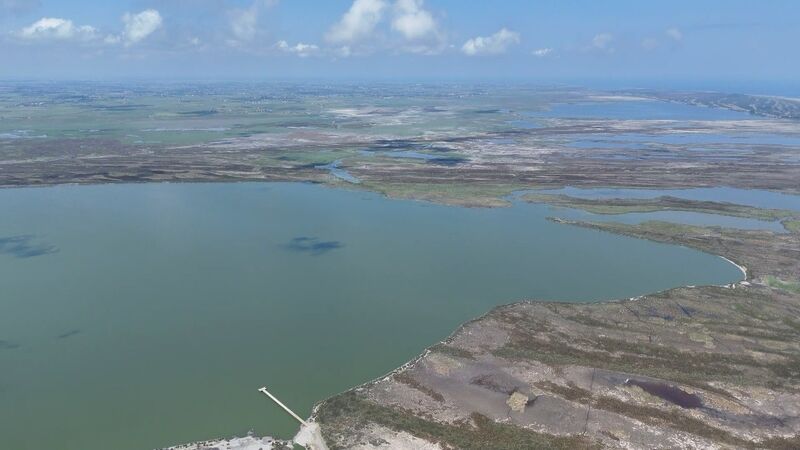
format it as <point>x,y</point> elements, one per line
<point>740,267</point>
<point>236,443</point>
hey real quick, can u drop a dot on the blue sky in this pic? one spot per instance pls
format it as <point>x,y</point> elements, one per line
<point>742,41</point>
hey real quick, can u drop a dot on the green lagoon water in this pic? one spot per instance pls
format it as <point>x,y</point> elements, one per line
<point>137,316</point>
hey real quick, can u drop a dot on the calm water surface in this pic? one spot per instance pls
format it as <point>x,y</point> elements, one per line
<point>137,316</point>
<point>682,217</point>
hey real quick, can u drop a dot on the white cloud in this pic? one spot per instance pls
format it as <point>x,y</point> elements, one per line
<point>674,34</point>
<point>138,26</point>
<point>412,20</point>
<point>542,52</point>
<point>300,49</point>
<point>244,22</point>
<point>494,44</point>
<point>602,41</point>
<point>358,22</point>
<point>56,28</point>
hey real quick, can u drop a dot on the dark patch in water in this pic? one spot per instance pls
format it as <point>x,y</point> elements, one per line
<point>200,113</point>
<point>312,245</point>
<point>23,246</point>
<point>117,108</point>
<point>302,124</point>
<point>434,148</point>
<point>668,392</point>
<point>446,161</point>
<point>69,333</point>
<point>383,144</point>
<point>8,345</point>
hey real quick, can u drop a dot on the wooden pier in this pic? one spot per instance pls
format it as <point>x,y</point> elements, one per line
<point>264,391</point>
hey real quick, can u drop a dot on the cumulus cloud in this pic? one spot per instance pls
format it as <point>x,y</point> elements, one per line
<point>674,34</point>
<point>300,49</point>
<point>542,52</point>
<point>56,28</point>
<point>358,22</point>
<point>412,20</point>
<point>244,22</point>
<point>602,41</point>
<point>139,26</point>
<point>489,45</point>
<point>136,28</point>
